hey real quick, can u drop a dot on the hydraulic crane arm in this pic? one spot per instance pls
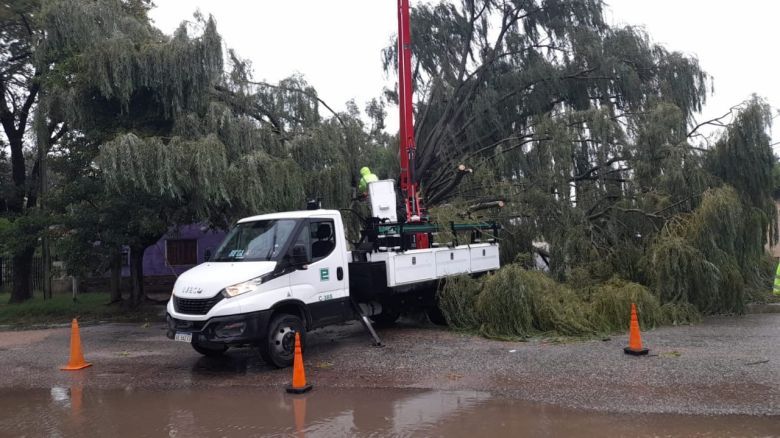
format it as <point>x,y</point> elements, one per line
<point>408,185</point>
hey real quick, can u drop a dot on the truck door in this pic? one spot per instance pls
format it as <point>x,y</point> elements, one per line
<point>323,285</point>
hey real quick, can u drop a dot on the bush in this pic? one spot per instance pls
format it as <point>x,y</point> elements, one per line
<point>610,306</point>
<point>515,303</point>
<point>457,299</point>
<point>556,308</point>
<point>504,305</point>
<point>680,313</point>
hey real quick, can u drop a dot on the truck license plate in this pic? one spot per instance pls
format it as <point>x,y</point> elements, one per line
<point>183,337</point>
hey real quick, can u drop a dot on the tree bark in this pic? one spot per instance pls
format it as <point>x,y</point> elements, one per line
<point>485,205</point>
<point>481,206</point>
<point>116,277</point>
<point>22,266</point>
<point>137,275</point>
<point>14,123</point>
<point>46,253</point>
<point>18,173</point>
<point>437,194</point>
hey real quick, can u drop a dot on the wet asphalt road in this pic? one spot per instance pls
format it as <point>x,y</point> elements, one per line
<point>725,365</point>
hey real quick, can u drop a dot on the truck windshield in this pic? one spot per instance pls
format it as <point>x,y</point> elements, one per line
<point>256,241</point>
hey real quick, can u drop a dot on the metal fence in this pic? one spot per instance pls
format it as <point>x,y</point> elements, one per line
<point>7,274</point>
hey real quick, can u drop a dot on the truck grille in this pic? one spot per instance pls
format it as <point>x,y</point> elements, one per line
<point>195,307</point>
<point>187,326</point>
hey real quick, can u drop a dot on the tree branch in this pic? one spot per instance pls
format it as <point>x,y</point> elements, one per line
<point>298,90</point>
<point>587,173</point>
<point>438,194</point>
<point>717,120</point>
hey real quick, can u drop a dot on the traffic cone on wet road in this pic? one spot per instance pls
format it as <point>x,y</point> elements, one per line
<point>299,385</point>
<point>76,361</point>
<point>634,338</point>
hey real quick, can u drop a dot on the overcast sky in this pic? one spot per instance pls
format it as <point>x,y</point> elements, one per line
<point>336,44</point>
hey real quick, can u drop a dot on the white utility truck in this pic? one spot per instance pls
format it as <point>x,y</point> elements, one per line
<point>281,273</point>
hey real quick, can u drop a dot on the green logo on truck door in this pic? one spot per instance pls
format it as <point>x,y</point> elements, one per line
<point>324,274</point>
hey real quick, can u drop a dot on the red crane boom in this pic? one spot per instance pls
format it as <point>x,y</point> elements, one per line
<point>409,186</point>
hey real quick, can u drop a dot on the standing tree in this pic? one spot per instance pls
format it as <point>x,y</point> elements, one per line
<point>121,78</point>
<point>587,130</point>
<point>178,139</point>
<point>21,78</point>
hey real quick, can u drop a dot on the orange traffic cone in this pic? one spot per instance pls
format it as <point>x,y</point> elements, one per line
<point>634,338</point>
<point>299,385</point>
<point>76,361</point>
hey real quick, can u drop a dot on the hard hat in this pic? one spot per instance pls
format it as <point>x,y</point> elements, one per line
<point>365,170</point>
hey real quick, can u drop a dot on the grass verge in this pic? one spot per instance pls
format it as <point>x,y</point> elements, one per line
<point>61,309</point>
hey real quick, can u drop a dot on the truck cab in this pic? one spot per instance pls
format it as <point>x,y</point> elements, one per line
<point>273,275</point>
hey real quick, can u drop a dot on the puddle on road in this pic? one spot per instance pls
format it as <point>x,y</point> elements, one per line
<point>241,412</point>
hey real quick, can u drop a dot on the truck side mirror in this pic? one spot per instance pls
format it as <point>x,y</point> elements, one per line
<point>300,258</point>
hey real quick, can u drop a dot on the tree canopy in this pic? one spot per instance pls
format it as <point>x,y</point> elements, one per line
<point>589,132</point>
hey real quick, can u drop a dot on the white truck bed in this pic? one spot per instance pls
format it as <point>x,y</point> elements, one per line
<point>419,265</point>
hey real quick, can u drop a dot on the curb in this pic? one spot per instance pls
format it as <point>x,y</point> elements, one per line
<point>758,308</point>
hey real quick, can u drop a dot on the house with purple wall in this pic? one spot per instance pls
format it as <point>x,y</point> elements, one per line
<point>179,250</point>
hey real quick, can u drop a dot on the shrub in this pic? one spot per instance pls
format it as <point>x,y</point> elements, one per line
<point>457,297</point>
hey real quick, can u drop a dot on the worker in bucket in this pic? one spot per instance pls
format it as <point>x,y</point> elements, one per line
<point>366,177</point>
<point>776,287</point>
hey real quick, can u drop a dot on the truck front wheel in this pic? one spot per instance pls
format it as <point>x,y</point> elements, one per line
<point>278,349</point>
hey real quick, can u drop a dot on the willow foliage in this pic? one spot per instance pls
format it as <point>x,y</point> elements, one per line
<point>589,132</point>
<point>123,56</point>
<point>457,299</point>
<point>586,130</point>
<point>172,123</point>
<point>516,303</point>
<point>704,258</point>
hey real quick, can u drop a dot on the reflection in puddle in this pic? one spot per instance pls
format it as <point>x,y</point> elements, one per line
<point>73,411</point>
<point>60,396</point>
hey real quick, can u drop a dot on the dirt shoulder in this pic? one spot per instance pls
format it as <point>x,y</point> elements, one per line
<point>728,365</point>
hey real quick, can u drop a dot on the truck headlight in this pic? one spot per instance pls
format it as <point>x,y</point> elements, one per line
<point>246,286</point>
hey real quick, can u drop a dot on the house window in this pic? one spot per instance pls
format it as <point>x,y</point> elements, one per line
<point>181,252</point>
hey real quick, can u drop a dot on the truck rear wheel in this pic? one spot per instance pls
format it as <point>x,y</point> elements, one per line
<point>210,350</point>
<point>278,349</point>
<point>387,318</point>
<point>435,315</point>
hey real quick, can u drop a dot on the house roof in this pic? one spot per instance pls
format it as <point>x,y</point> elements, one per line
<point>291,215</point>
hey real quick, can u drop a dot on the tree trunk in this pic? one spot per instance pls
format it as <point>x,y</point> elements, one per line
<point>137,275</point>
<point>116,277</point>
<point>75,286</point>
<point>22,266</point>
<point>46,268</point>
